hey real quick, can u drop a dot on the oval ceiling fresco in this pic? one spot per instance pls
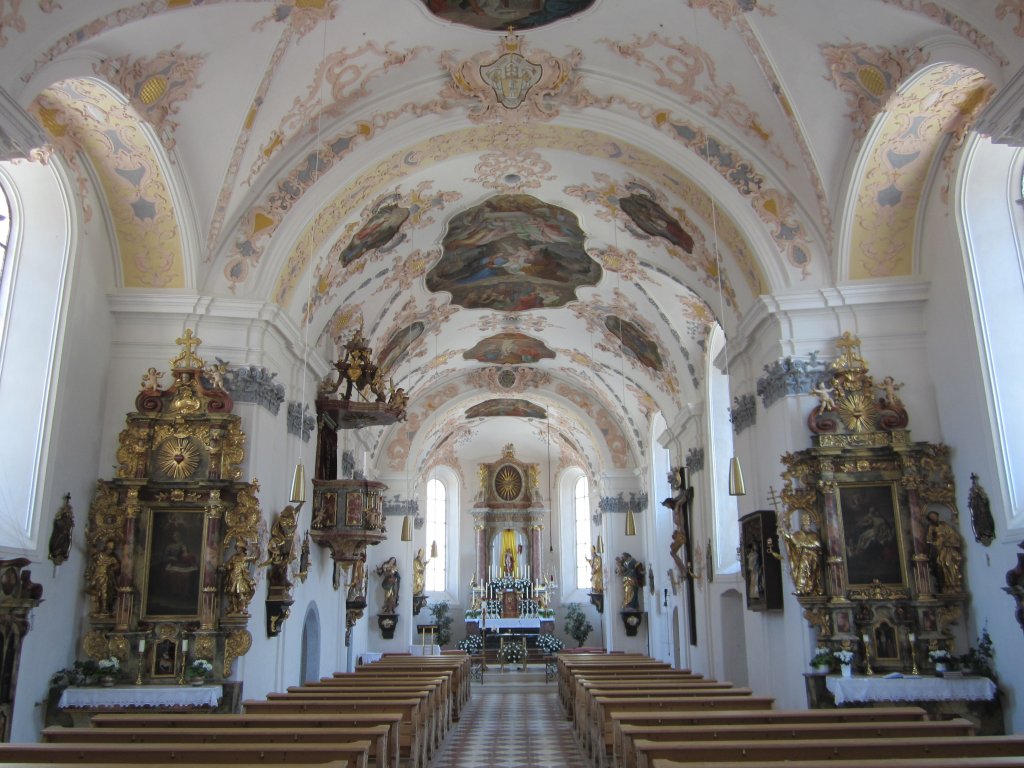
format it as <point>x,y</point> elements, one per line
<point>513,253</point>
<point>503,14</point>
<point>509,349</point>
<point>506,406</point>
<point>635,341</point>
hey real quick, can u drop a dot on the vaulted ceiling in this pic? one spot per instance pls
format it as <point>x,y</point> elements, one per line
<point>536,210</point>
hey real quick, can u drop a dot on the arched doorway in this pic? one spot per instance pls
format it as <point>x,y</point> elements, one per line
<point>309,665</point>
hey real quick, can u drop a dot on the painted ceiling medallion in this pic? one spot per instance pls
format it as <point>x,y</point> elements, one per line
<point>635,341</point>
<point>502,14</point>
<point>513,253</point>
<point>506,406</point>
<point>509,349</point>
<point>511,77</point>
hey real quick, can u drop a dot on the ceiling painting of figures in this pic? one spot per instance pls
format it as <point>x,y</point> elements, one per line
<point>398,343</point>
<point>502,14</point>
<point>377,232</point>
<point>655,221</point>
<point>513,253</point>
<point>636,341</point>
<point>509,349</point>
<point>506,406</point>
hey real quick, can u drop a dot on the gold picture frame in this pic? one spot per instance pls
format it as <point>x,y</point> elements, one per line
<point>872,533</point>
<point>174,564</point>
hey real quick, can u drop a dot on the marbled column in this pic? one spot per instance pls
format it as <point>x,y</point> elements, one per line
<point>535,572</point>
<point>481,555</point>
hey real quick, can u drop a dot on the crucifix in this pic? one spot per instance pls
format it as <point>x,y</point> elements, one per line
<point>682,539</point>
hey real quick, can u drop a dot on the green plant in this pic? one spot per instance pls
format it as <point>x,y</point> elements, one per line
<point>442,618</point>
<point>979,658</point>
<point>80,673</point>
<point>822,657</point>
<point>577,625</point>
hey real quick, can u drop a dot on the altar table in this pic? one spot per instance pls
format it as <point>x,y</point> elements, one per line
<point>512,623</point>
<point>142,696</point>
<point>862,689</point>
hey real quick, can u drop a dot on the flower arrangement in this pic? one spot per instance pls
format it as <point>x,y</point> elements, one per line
<point>82,673</point>
<point>979,659</point>
<point>939,656</point>
<point>546,613</point>
<point>513,653</point>
<point>473,614</point>
<point>844,656</point>
<point>510,582</point>
<point>109,666</point>
<point>549,643</point>
<point>199,668</point>
<point>822,657</point>
<point>472,644</point>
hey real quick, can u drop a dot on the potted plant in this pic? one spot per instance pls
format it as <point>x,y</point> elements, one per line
<point>443,620</point>
<point>513,653</point>
<point>471,644</point>
<point>978,659</point>
<point>108,669</point>
<point>821,661</point>
<point>577,625</point>
<point>548,643</point>
<point>198,671</point>
<point>845,658</point>
<point>941,658</point>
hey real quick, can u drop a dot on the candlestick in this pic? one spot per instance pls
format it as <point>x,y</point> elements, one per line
<point>913,654</point>
<point>867,656</point>
<point>138,674</point>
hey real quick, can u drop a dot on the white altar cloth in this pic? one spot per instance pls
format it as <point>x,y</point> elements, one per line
<point>425,650</point>
<point>855,690</point>
<point>142,696</point>
<point>520,623</point>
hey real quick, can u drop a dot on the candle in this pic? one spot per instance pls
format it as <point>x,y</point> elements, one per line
<point>184,644</point>
<point>866,639</point>
<point>142,644</point>
<point>911,637</point>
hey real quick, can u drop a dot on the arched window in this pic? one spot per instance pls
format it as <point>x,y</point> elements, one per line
<point>437,534</point>
<point>581,515</point>
<point>726,522</point>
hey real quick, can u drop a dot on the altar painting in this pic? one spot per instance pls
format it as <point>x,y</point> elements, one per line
<point>506,406</point>
<point>502,14</point>
<point>871,534</point>
<point>509,349</point>
<point>175,558</point>
<point>513,253</point>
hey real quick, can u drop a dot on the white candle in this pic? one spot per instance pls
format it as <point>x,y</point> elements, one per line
<point>142,644</point>
<point>184,644</point>
<point>912,637</point>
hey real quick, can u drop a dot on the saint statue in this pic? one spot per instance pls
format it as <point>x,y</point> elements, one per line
<point>357,585</point>
<point>419,573</point>
<point>633,575</point>
<point>390,580</point>
<point>239,585</point>
<point>804,550</point>
<point>946,551</point>
<point>596,571</point>
<point>102,581</point>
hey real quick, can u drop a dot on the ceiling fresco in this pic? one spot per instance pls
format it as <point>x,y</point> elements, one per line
<point>543,222</point>
<point>505,14</point>
<point>513,253</point>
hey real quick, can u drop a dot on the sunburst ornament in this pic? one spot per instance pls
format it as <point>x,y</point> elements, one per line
<point>857,410</point>
<point>178,458</point>
<point>508,483</point>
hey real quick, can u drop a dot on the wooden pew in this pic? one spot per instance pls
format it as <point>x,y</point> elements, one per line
<point>441,699</point>
<point>175,764</point>
<point>458,665</point>
<point>600,740</point>
<point>208,754</point>
<point>611,663</point>
<point>661,717</point>
<point>413,736</point>
<point>263,723</point>
<point>596,730</point>
<point>758,751</point>
<point>375,735</point>
<point>924,762</point>
<point>958,727</point>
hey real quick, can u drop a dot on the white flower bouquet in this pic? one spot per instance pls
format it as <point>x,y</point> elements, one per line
<point>844,656</point>
<point>199,668</point>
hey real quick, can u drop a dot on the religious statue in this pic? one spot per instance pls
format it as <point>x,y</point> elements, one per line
<point>391,580</point>
<point>633,575</point>
<point>280,546</point>
<point>419,573</point>
<point>357,583</point>
<point>678,542</point>
<point>101,583</point>
<point>239,585</point>
<point>825,400</point>
<point>508,563</point>
<point>755,573</point>
<point>596,563</point>
<point>804,550</point>
<point>946,552</point>
<point>60,535</point>
<point>890,387</point>
<point>151,381</point>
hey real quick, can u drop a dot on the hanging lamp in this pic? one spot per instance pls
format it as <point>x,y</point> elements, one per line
<point>630,522</point>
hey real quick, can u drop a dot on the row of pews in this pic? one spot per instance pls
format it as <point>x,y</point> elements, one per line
<point>631,711</point>
<point>393,713</point>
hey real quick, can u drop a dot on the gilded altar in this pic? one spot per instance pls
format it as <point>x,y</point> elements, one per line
<point>870,526</point>
<point>172,539</point>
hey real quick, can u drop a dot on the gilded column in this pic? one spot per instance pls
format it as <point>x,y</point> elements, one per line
<point>125,590</point>
<point>208,604</point>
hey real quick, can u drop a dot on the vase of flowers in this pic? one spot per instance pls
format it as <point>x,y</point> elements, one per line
<point>513,653</point>
<point>845,659</point>
<point>821,661</point>
<point>940,658</point>
<point>548,643</point>
<point>198,671</point>
<point>472,644</point>
<point>108,670</point>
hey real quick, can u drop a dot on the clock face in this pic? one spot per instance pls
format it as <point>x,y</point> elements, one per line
<point>508,482</point>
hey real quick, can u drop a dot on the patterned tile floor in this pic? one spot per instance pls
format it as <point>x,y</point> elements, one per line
<point>513,721</point>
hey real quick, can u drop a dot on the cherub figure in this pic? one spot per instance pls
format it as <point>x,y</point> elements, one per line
<point>216,374</point>
<point>890,387</point>
<point>825,399</point>
<point>151,381</point>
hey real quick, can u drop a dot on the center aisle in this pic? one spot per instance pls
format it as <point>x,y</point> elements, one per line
<point>513,720</point>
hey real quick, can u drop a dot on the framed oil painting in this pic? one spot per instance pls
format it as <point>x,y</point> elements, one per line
<point>174,563</point>
<point>872,534</point>
<point>165,659</point>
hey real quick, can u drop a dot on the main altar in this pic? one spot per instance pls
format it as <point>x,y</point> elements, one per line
<point>508,588</point>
